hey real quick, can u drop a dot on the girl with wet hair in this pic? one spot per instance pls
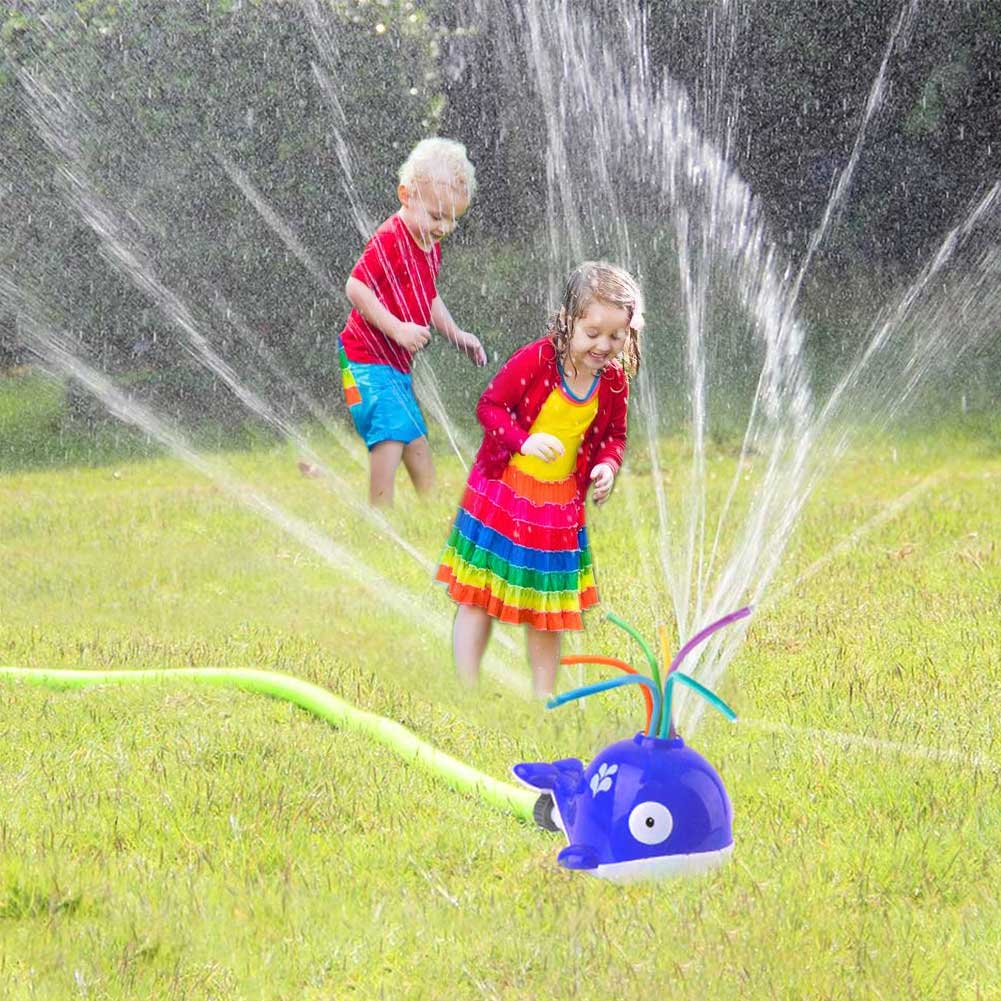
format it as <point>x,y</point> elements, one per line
<point>554,420</point>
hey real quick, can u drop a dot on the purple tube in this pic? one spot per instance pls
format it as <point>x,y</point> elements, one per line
<point>704,634</point>
<point>741,613</point>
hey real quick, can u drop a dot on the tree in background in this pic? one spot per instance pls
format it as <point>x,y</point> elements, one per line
<point>160,93</point>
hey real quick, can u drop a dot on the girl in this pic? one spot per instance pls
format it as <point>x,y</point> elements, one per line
<point>554,420</point>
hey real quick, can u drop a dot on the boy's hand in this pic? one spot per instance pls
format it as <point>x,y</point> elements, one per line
<point>473,349</point>
<point>412,336</point>
<point>543,446</point>
<point>603,478</point>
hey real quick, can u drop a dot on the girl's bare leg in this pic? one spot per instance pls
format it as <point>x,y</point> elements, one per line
<point>544,656</point>
<point>417,459</point>
<point>383,459</point>
<point>469,641</point>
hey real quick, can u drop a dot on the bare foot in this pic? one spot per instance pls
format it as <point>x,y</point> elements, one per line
<point>310,470</point>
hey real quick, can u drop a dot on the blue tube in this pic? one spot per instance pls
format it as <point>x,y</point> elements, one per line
<point>711,697</point>
<point>604,686</point>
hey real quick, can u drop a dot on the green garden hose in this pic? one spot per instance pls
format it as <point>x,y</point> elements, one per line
<point>320,702</point>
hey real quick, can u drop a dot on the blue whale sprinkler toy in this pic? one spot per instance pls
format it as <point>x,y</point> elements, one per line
<point>645,807</point>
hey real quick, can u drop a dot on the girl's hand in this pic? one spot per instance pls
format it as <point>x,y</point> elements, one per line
<point>474,349</point>
<point>411,336</point>
<point>543,446</point>
<point>603,478</point>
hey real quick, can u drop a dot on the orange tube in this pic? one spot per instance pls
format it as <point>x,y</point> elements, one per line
<point>588,658</point>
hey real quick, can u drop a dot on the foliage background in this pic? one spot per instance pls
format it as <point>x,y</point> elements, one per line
<point>166,87</point>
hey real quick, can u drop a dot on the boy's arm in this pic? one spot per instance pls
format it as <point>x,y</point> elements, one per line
<point>367,303</point>
<point>444,324</point>
<point>450,330</point>
<point>411,336</point>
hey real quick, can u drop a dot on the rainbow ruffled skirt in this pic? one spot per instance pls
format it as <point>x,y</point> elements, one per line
<point>519,550</point>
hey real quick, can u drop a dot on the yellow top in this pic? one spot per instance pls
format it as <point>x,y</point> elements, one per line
<point>567,418</point>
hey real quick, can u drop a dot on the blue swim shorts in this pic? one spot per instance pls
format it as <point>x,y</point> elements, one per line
<point>381,402</point>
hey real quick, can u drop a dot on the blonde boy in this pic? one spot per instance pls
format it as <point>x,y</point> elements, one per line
<point>393,291</point>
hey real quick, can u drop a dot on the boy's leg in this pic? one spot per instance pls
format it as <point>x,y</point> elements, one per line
<point>417,459</point>
<point>469,641</point>
<point>544,656</point>
<point>383,458</point>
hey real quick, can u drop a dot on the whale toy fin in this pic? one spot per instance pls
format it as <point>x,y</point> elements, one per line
<point>563,776</point>
<point>578,857</point>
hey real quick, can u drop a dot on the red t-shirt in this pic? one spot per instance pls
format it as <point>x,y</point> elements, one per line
<point>402,275</point>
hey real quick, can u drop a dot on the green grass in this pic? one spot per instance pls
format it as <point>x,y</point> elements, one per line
<point>176,842</point>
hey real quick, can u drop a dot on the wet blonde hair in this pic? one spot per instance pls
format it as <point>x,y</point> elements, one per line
<point>438,159</point>
<point>599,280</point>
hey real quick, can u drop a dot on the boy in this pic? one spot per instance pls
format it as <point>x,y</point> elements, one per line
<point>393,291</point>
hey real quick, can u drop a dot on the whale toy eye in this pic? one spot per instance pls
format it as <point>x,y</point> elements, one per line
<point>650,823</point>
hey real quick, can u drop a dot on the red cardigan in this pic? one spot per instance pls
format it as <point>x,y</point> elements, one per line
<point>514,397</point>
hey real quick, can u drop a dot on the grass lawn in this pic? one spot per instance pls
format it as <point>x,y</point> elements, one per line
<point>180,842</point>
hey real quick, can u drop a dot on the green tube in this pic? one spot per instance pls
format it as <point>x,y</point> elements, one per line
<point>320,702</point>
<point>647,652</point>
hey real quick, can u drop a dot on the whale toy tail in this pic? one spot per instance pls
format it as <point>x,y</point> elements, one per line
<point>558,782</point>
<point>563,776</point>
